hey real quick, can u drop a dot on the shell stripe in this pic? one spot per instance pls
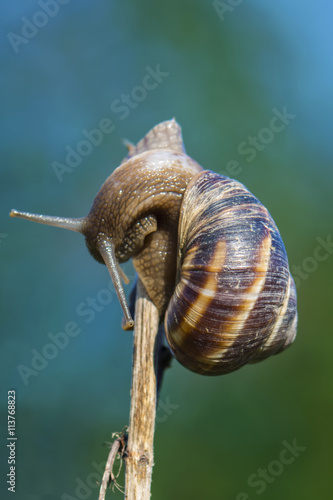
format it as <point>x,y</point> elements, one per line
<point>244,310</point>
<point>208,291</point>
<point>204,297</point>
<point>284,331</point>
<point>275,332</point>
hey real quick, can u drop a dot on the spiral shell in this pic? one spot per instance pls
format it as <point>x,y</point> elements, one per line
<point>235,300</point>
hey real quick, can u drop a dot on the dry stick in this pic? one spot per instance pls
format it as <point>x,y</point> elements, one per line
<point>108,475</point>
<point>140,454</point>
<point>150,359</point>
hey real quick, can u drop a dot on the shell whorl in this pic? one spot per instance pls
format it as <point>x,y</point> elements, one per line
<point>235,300</point>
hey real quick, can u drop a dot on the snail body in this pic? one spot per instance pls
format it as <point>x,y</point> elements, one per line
<point>208,253</point>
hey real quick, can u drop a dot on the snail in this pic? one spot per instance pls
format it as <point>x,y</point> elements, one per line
<point>206,250</point>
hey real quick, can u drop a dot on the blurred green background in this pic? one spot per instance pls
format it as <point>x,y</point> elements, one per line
<point>226,66</point>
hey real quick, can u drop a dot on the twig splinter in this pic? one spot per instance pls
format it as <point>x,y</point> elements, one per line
<point>118,447</point>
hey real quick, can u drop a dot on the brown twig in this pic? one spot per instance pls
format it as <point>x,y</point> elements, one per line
<point>108,477</point>
<point>147,344</point>
<point>150,359</point>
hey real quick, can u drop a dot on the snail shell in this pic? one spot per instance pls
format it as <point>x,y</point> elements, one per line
<point>223,285</point>
<point>235,300</point>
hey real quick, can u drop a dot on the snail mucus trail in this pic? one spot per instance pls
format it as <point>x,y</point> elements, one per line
<point>206,250</point>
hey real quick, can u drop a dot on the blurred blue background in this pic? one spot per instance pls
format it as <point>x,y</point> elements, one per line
<point>225,67</point>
